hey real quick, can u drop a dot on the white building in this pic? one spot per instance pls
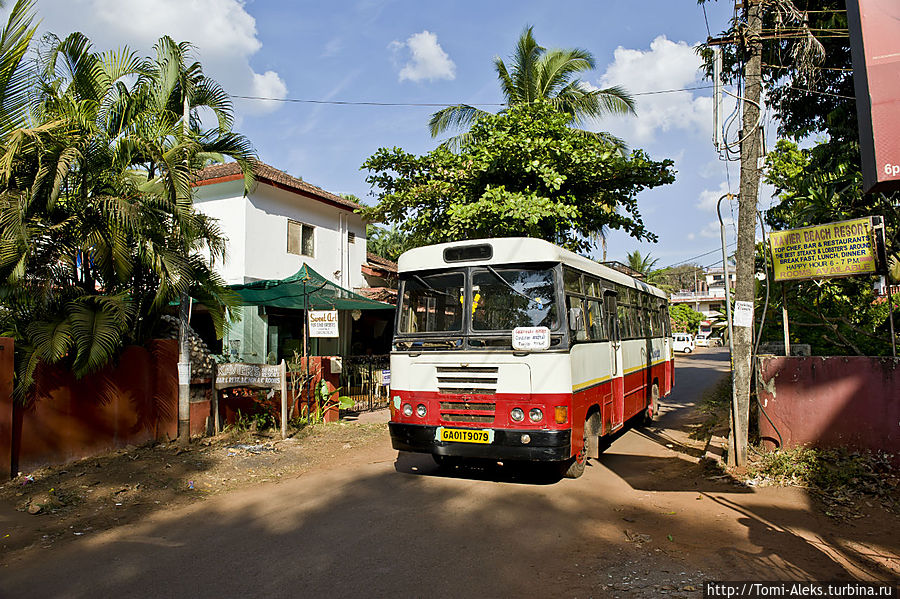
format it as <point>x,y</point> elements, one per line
<point>282,223</point>
<point>709,297</point>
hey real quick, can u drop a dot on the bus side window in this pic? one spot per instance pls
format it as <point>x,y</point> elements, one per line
<point>596,325</point>
<point>581,333</point>
<point>624,327</point>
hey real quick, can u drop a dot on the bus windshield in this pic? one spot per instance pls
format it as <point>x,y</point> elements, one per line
<point>506,298</point>
<point>432,303</point>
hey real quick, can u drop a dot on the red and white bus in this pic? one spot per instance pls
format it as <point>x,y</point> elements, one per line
<point>515,349</point>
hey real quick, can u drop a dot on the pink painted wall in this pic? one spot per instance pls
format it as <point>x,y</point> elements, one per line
<point>832,401</point>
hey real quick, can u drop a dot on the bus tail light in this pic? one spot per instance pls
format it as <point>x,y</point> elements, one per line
<point>407,410</point>
<point>562,414</point>
<point>535,414</point>
<point>517,414</point>
<point>421,410</point>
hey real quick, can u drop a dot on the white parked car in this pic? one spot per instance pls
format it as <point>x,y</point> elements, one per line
<point>702,340</point>
<point>683,342</point>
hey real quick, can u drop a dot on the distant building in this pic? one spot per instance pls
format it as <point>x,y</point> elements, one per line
<point>709,296</point>
<point>272,231</point>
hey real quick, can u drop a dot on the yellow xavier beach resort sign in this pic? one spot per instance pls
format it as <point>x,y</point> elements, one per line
<point>824,251</point>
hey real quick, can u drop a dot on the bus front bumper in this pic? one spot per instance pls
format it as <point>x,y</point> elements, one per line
<point>543,446</point>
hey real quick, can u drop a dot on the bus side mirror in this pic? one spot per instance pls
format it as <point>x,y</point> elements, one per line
<point>576,319</point>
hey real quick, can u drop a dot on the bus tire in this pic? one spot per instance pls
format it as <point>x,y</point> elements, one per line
<point>651,412</point>
<point>574,466</point>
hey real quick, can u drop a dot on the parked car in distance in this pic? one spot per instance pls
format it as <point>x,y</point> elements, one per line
<point>702,340</point>
<point>683,342</point>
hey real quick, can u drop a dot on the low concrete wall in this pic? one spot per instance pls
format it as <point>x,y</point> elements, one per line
<point>127,403</point>
<point>832,401</point>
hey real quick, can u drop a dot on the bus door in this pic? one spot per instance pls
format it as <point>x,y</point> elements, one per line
<point>614,405</point>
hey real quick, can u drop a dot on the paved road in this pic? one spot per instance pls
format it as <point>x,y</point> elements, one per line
<point>642,520</point>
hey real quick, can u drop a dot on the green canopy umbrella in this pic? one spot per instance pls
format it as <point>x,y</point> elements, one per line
<point>304,290</point>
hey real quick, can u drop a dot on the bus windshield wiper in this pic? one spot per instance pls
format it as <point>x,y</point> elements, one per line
<point>508,284</point>
<point>425,284</point>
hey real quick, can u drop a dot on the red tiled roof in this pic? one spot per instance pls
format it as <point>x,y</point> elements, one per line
<point>384,263</point>
<point>231,171</point>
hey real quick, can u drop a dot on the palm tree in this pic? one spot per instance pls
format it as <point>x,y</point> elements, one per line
<point>99,232</point>
<point>537,74</point>
<point>641,264</point>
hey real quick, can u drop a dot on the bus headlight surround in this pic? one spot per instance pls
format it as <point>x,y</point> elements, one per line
<point>535,415</point>
<point>421,410</point>
<point>517,414</point>
<point>407,409</point>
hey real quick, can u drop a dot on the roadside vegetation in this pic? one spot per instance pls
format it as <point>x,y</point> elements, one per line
<point>99,234</point>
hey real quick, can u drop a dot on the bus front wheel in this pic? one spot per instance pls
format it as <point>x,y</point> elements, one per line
<point>574,466</point>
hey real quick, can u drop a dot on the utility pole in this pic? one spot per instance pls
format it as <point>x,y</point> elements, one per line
<point>745,290</point>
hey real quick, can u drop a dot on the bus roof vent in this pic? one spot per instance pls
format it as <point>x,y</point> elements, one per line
<point>466,253</point>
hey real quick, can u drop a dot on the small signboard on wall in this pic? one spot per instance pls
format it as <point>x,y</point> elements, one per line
<point>323,323</point>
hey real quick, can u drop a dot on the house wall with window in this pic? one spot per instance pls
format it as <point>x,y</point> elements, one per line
<point>282,223</point>
<point>266,231</point>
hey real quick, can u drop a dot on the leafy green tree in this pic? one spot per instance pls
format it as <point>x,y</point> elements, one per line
<point>684,318</point>
<point>522,173</point>
<point>536,74</point>
<point>99,233</point>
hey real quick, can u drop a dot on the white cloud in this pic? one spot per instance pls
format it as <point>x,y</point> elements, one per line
<point>666,65</point>
<point>712,229</point>
<point>709,198</point>
<point>427,59</point>
<point>223,34</point>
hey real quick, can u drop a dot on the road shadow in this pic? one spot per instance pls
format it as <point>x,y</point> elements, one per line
<point>650,473</point>
<point>523,473</point>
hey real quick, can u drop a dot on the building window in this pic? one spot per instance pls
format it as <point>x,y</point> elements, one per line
<point>351,237</point>
<point>301,239</point>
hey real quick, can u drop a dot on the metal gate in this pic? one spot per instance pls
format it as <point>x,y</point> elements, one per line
<point>366,380</point>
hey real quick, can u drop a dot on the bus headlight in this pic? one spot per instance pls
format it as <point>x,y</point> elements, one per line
<point>535,415</point>
<point>517,414</point>
<point>407,409</point>
<point>421,410</point>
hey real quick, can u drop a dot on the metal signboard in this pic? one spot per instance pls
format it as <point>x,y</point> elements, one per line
<point>323,323</point>
<point>840,249</point>
<point>237,374</point>
<point>874,31</point>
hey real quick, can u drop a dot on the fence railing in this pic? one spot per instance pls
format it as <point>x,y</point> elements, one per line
<point>366,380</point>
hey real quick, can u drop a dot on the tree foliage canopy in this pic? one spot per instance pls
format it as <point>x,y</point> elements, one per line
<point>521,173</point>
<point>99,235</point>
<point>536,74</point>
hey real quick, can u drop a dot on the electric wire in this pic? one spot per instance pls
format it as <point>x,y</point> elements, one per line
<point>762,320</point>
<point>436,104</point>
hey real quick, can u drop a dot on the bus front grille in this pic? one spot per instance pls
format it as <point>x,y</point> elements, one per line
<point>468,411</point>
<point>469,380</point>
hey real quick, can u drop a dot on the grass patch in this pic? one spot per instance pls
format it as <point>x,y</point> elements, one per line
<point>833,472</point>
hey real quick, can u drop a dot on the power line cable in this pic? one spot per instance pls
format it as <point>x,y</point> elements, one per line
<point>435,104</point>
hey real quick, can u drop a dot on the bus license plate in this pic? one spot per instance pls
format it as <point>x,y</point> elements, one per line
<point>465,435</point>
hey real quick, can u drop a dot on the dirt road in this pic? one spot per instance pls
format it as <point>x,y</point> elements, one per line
<point>644,521</point>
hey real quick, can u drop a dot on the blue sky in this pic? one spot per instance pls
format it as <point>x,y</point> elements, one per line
<point>404,51</point>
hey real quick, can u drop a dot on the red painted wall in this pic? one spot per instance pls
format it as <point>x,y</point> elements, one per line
<point>7,347</point>
<point>128,403</point>
<point>832,401</point>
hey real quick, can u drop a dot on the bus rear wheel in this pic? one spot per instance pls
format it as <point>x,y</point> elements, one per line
<point>651,412</point>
